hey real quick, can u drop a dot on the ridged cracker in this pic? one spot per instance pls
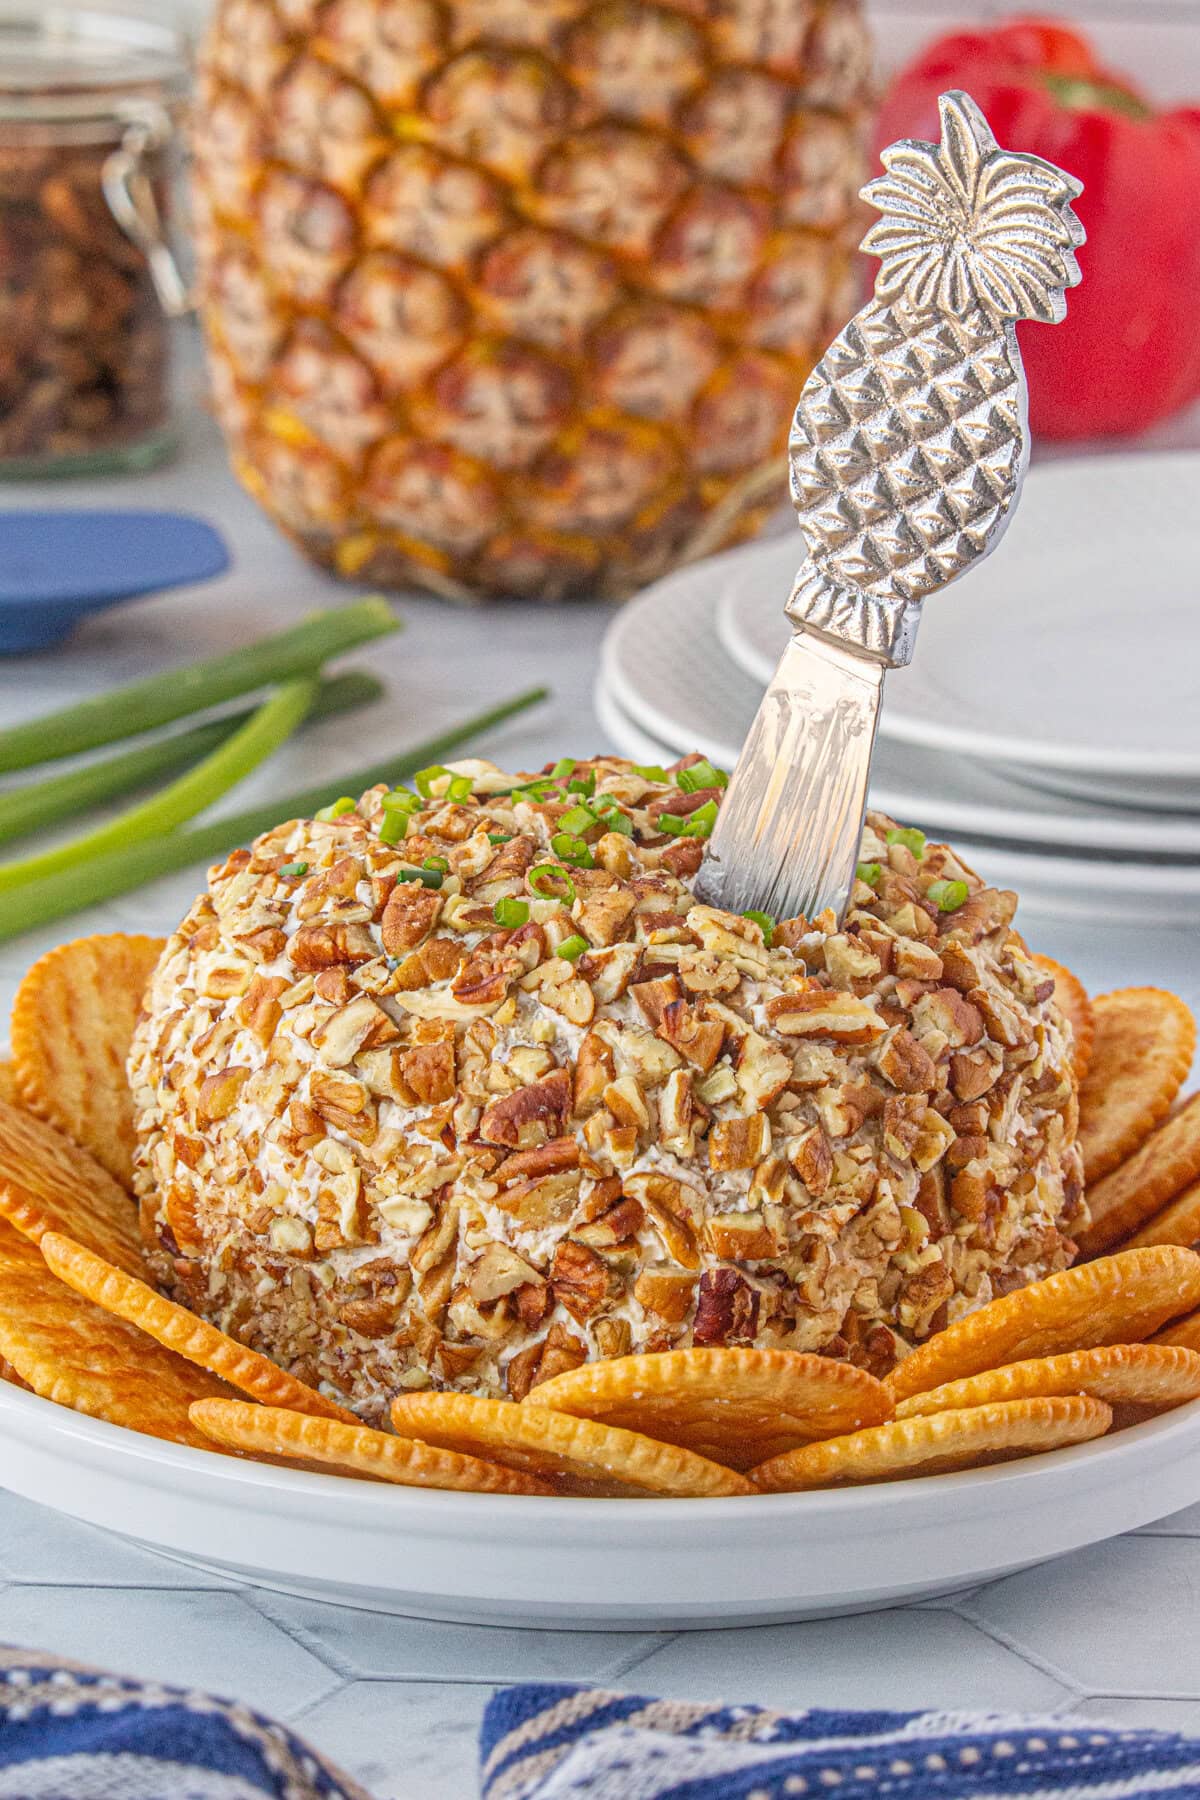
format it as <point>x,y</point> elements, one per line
<point>47,1183</point>
<point>1119,1299</point>
<point>1177,1223</point>
<point>1184,1333</point>
<point>71,1352</point>
<point>72,1023</point>
<point>181,1331</point>
<point>1142,1050</point>
<point>1159,1171</point>
<point>966,1439</point>
<point>353,1449</point>
<point>1146,1377</point>
<point>579,1456</point>
<point>735,1406</point>
<point>1071,998</point>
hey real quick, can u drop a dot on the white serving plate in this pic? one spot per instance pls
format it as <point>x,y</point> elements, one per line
<point>1071,655</point>
<point>595,1564</point>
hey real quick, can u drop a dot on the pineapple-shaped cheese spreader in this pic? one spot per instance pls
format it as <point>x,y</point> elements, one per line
<point>907,454</point>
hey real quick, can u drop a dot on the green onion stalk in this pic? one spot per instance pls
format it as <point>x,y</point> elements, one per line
<point>38,804</point>
<point>56,896</point>
<point>175,693</point>
<point>269,727</point>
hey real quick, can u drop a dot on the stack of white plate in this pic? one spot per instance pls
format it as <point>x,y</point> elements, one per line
<point>1050,723</point>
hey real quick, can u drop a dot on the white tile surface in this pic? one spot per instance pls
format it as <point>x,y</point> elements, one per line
<point>878,1660</point>
<point>387,1648</point>
<point>1108,1633</point>
<point>1118,1618</point>
<point>216,1642</point>
<point>403,1743</point>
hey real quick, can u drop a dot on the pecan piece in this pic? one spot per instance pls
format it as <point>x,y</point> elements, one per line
<point>666,1293</point>
<point>436,960</point>
<point>543,1159</point>
<point>812,1158</point>
<point>973,1073</point>
<point>594,1069</point>
<point>726,1309</point>
<point>826,1014</point>
<point>907,1064</point>
<point>653,997</point>
<point>558,1351</point>
<point>260,1011</point>
<point>683,857</point>
<point>428,1069</point>
<point>697,1039</point>
<point>740,1236</point>
<point>410,915</point>
<point>219,1095</point>
<point>316,947</point>
<point>738,1143</point>
<point>531,1115</point>
<point>582,1281</point>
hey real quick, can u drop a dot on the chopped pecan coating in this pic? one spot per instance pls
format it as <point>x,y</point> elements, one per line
<point>835,1141</point>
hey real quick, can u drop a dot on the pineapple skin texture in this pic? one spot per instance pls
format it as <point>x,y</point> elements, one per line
<point>506,296</point>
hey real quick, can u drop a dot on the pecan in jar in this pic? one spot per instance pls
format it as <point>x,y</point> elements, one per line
<point>87,115</point>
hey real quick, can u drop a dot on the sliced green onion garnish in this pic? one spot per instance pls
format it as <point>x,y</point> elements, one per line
<point>393,827</point>
<point>572,947</point>
<point>551,882</point>
<point>870,873</point>
<point>400,800</point>
<point>437,862</point>
<point>563,767</point>
<point>701,775</point>
<point>499,837</point>
<point>511,912</point>
<point>765,923</point>
<point>697,825</point>
<point>296,868</point>
<point>583,784</point>
<point>577,821</point>
<point>336,809</point>
<point>947,896</point>
<point>620,822</point>
<point>430,878</point>
<point>459,788</point>
<point>424,779</point>
<point>572,850</point>
<point>910,837</point>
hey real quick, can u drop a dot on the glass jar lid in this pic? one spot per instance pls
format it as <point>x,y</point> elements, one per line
<point>83,64</point>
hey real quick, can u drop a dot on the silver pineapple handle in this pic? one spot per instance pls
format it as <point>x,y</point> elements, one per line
<point>911,438</point>
<point>907,455</point>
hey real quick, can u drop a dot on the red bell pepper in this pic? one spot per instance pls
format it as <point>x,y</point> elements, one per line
<point>1128,352</point>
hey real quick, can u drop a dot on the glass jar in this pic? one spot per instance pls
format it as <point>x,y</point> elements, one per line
<point>90,113</point>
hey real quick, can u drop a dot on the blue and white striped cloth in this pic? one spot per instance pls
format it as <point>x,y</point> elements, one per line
<point>568,1743</point>
<point>68,1733</point>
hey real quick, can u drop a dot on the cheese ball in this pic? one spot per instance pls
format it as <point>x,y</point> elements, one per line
<point>468,1088</point>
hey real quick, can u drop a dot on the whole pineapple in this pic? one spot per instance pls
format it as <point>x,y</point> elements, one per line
<point>506,296</point>
<point>911,434</point>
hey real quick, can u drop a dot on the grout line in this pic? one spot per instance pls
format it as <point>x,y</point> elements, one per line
<point>296,1714</point>
<point>1016,1648</point>
<point>113,1587</point>
<point>296,1634</point>
<point>635,1658</point>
